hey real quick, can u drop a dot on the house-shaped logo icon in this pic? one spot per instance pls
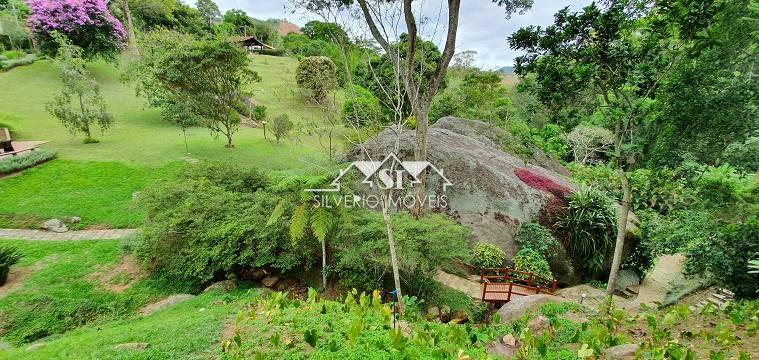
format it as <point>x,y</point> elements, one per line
<point>388,173</point>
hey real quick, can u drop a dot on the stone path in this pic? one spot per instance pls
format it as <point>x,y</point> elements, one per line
<point>27,234</point>
<point>467,286</point>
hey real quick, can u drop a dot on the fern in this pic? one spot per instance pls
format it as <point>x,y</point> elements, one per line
<point>320,223</point>
<point>298,223</point>
<point>277,213</point>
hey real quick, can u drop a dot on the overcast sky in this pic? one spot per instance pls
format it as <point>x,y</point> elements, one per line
<point>482,25</point>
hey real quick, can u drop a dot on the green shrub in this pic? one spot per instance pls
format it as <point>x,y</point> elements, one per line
<point>590,224</point>
<point>12,54</point>
<point>724,258</point>
<point>719,186</point>
<point>361,107</point>
<point>6,65</point>
<point>318,75</point>
<point>211,222</point>
<point>259,112</point>
<point>487,256</point>
<point>8,257</point>
<point>20,162</point>
<point>537,237</point>
<point>362,261</point>
<point>531,261</point>
<point>273,52</point>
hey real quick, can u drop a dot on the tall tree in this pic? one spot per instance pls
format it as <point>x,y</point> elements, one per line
<point>209,10</point>
<point>202,78</point>
<point>620,52</point>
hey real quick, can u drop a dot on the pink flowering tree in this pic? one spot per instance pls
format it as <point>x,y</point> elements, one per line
<point>86,23</point>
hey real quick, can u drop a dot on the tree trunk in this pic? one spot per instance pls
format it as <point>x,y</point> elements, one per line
<point>420,154</point>
<point>324,264</point>
<point>393,257</point>
<point>131,38</point>
<point>624,212</point>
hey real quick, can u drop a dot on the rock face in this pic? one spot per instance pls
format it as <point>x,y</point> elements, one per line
<point>488,194</point>
<point>493,192</point>
<point>223,286</point>
<point>516,308</point>
<point>55,225</point>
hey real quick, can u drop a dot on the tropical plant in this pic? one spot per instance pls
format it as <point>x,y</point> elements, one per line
<point>589,144</point>
<point>486,255</point>
<point>79,89</point>
<point>8,257</point>
<point>362,108</point>
<point>590,223</point>
<point>85,23</point>
<point>317,75</point>
<point>753,266</point>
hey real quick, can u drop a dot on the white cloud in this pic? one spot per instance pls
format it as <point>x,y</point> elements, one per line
<point>483,26</point>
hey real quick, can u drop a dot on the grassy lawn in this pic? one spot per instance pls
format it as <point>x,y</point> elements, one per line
<point>100,193</point>
<point>59,286</point>
<point>189,330</point>
<point>140,136</point>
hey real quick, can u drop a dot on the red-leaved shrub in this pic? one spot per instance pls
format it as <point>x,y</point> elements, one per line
<point>540,182</point>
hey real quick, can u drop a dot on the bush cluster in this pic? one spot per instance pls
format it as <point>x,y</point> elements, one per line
<point>487,256</point>
<point>8,257</point>
<point>24,161</point>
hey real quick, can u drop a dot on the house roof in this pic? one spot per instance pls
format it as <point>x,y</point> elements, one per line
<point>251,40</point>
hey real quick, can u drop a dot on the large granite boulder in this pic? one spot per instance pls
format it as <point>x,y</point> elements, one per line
<point>493,192</point>
<point>516,308</point>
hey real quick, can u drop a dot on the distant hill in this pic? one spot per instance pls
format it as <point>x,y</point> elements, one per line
<point>506,70</point>
<point>286,27</point>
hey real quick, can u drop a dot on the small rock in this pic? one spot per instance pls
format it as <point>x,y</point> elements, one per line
<point>433,312</point>
<point>255,275</point>
<point>270,280</point>
<point>75,220</point>
<point>509,340</point>
<point>500,350</point>
<point>201,309</point>
<point>538,324</point>
<point>224,286</point>
<point>445,313</point>
<point>136,196</point>
<point>55,225</point>
<point>35,346</point>
<point>405,328</point>
<point>626,278</point>
<point>621,352</point>
<point>459,317</point>
<point>169,301</point>
<point>132,346</point>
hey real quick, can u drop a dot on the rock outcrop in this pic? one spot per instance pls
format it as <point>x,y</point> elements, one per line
<point>493,192</point>
<point>516,308</point>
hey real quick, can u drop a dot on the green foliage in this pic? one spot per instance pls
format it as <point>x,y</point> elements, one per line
<point>536,237</point>
<point>530,260</point>
<point>590,144</point>
<point>362,108</point>
<point>362,260</point>
<point>203,225</point>
<point>725,257</point>
<point>193,80</point>
<point>25,161</point>
<point>359,326</point>
<point>316,74</point>
<point>480,96</point>
<point>744,156</point>
<point>329,32</point>
<point>590,224</point>
<point>671,234</point>
<point>27,59</point>
<point>281,126</point>
<point>79,89</point>
<point>259,113</point>
<point>9,256</point>
<point>486,255</point>
<point>719,185</point>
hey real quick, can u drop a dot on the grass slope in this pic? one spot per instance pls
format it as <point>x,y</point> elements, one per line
<point>54,291</point>
<point>100,193</point>
<point>140,136</point>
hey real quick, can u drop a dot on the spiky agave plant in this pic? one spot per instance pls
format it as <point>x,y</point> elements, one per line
<point>8,256</point>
